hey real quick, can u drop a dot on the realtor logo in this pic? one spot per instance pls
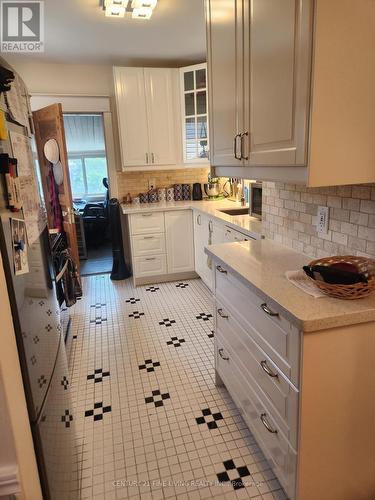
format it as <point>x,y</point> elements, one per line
<point>22,26</point>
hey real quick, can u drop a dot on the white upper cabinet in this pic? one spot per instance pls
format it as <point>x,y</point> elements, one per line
<point>259,81</point>
<point>277,81</point>
<point>132,115</point>
<point>146,115</point>
<point>225,81</point>
<point>291,94</point>
<point>161,115</point>
<point>194,111</point>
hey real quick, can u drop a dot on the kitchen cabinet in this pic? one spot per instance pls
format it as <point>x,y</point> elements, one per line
<point>146,115</point>
<point>162,246</point>
<point>194,112</point>
<point>201,240</point>
<point>259,80</point>
<point>278,108</point>
<point>179,239</point>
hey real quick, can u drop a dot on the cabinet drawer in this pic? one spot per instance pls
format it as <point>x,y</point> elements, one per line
<point>262,372</point>
<point>150,266</point>
<point>277,337</point>
<point>147,223</point>
<point>258,417</point>
<point>149,244</point>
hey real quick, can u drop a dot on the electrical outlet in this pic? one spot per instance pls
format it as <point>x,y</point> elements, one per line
<point>151,183</point>
<point>323,218</point>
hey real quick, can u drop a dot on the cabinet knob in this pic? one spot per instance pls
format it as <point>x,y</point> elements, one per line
<point>269,311</point>
<point>221,354</point>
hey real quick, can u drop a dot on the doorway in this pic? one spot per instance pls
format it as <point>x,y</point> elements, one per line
<point>88,171</point>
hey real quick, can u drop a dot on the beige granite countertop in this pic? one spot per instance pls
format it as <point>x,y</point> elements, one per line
<point>261,265</point>
<point>250,226</point>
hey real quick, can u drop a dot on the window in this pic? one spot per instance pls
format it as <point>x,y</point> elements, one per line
<point>86,154</point>
<point>194,111</point>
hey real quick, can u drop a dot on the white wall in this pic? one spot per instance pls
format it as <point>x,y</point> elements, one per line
<point>74,79</point>
<point>15,399</point>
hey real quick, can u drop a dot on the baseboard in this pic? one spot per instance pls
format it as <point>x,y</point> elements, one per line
<point>163,278</point>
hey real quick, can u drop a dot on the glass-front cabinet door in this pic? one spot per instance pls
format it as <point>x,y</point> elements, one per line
<point>194,105</point>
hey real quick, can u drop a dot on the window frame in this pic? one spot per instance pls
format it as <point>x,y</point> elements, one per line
<point>81,155</point>
<point>183,92</point>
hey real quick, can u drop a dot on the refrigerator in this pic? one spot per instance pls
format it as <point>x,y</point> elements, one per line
<point>31,281</point>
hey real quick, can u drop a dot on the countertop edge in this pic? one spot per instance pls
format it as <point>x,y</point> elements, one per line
<point>129,210</point>
<point>305,326</point>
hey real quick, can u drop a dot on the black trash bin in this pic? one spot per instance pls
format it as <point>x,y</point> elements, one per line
<point>120,270</point>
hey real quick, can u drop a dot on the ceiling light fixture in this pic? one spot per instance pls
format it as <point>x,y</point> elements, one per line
<point>139,9</point>
<point>142,13</point>
<point>114,11</point>
<point>148,4</point>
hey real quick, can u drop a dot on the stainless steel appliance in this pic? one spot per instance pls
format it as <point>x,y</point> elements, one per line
<point>256,200</point>
<point>40,341</point>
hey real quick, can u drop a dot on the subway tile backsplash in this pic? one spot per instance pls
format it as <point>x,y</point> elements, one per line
<point>290,217</point>
<point>137,182</point>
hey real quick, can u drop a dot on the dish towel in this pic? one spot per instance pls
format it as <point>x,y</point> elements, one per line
<point>300,280</point>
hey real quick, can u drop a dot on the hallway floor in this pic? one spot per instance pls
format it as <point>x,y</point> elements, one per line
<point>99,260</point>
<point>151,424</point>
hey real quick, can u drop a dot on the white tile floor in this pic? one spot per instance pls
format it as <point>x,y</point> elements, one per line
<point>151,424</point>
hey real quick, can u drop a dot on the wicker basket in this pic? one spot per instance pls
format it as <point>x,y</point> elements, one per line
<point>348,292</point>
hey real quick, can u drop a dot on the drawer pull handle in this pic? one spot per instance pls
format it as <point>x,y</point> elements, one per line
<point>267,369</point>
<point>225,358</point>
<point>268,311</point>
<point>220,313</point>
<point>146,215</point>
<point>267,424</point>
<point>221,270</point>
<point>148,237</point>
<point>151,258</point>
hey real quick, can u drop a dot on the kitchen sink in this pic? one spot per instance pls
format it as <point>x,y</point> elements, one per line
<point>235,211</point>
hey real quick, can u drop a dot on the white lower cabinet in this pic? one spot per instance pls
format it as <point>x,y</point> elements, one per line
<point>162,246</point>
<point>201,240</point>
<point>257,358</point>
<point>150,266</point>
<point>179,239</point>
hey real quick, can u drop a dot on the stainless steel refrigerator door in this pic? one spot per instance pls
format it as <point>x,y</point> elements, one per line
<point>36,315</point>
<point>56,435</point>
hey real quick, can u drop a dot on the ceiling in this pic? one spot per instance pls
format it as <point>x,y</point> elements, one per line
<point>77,32</point>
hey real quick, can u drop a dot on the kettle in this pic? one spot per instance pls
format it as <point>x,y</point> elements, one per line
<point>197,191</point>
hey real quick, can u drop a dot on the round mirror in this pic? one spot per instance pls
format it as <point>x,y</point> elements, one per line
<point>51,151</point>
<point>58,173</point>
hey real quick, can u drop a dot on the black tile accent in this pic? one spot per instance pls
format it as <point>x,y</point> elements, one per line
<point>41,303</point>
<point>209,418</point>
<point>65,383</point>
<point>136,314</point>
<point>152,289</point>
<point>49,312</point>
<point>42,381</point>
<point>66,418</point>
<point>149,365</point>
<point>98,375</point>
<point>98,320</point>
<point>33,360</point>
<point>74,337</point>
<point>48,327</point>
<point>204,316</point>
<point>157,398</point>
<point>167,322</point>
<point>98,305</point>
<point>98,411</point>
<point>176,342</point>
<point>182,285</point>
<point>211,335</point>
<point>132,300</point>
<point>236,482</point>
<point>36,339</point>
